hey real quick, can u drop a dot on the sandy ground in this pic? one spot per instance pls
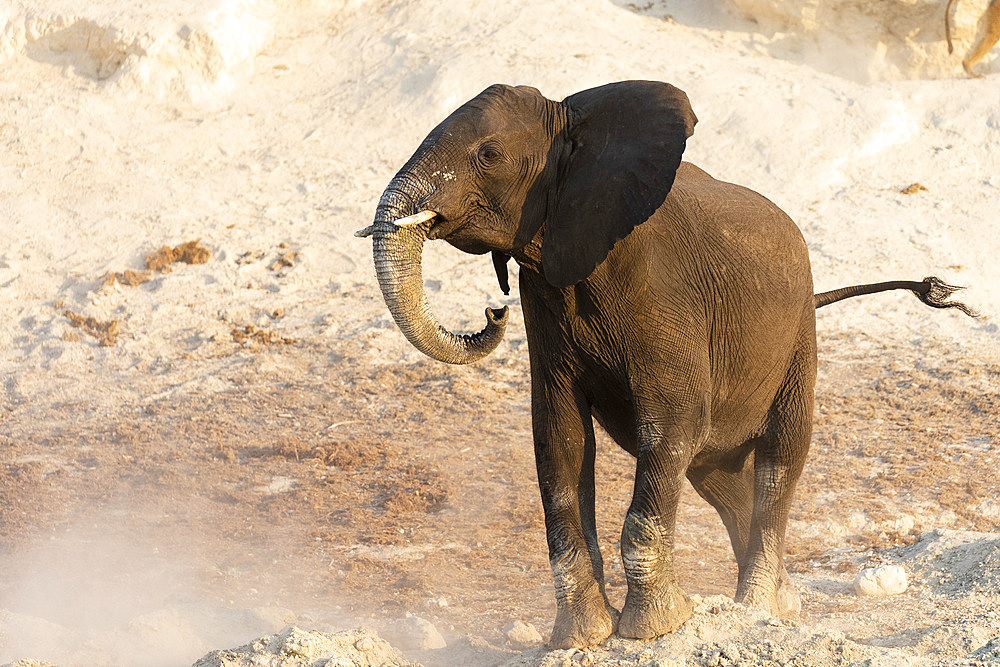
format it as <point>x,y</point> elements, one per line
<point>194,455</point>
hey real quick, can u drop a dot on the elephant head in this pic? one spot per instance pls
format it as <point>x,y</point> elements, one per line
<point>510,167</point>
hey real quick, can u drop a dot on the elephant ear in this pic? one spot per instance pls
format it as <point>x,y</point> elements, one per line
<point>627,139</point>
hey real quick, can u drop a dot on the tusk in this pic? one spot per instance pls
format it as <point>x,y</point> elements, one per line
<point>408,221</point>
<point>415,219</point>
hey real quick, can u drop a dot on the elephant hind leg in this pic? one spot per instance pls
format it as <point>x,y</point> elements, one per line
<point>779,457</point>
<point>732,494</point>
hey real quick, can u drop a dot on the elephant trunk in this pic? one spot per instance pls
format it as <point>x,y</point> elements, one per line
<point>397,253</point>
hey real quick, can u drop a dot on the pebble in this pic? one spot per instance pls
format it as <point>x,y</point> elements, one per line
<point>436,602</point>
<point>881,581</point>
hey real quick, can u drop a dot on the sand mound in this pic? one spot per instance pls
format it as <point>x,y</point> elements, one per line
<point>195,52</point>
<point>162,636</point>
<point>867,41</point>
<point>957,563</point>
<point>854,39</point>
<point>299,648</point>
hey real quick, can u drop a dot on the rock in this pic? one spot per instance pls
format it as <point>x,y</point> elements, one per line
<point>436,602</point>
<point>522,634</point>
<point>415,633</point>
<point>881,581</point>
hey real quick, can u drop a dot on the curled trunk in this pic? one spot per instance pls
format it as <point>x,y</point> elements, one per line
<point>397,253</point>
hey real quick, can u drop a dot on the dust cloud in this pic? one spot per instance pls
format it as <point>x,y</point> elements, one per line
<point>128,586</point>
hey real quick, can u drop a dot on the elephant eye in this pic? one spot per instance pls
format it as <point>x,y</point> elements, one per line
<point>489,155</point>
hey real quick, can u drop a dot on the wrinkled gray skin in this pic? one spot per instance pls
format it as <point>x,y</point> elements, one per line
<point>675,309</point>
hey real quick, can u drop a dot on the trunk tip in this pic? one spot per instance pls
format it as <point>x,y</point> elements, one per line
<point>497,316</point>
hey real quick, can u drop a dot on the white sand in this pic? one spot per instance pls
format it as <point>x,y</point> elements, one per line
<point>255,123</point>
<point>252,123</point>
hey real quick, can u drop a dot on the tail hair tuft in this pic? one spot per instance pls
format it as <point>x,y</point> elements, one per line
<point>937,292</point>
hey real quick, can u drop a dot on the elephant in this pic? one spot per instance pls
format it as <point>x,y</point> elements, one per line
<point>675,310</point>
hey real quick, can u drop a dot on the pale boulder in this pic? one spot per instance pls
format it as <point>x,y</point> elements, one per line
<point>415,633</point>
<point>520,633</point>
<point>881,581</point>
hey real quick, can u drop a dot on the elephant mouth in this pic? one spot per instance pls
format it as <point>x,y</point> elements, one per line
<point>464,231</point>
<point>436,230</point>
<point>441,227</point>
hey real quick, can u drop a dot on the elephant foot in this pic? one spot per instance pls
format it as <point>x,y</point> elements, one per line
<point>652,617</point>
<point>788,604</point>
<point>784,603</point>
<point>584,625</point>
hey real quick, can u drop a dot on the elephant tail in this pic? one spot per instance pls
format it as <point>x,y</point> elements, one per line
<point>931,290</point>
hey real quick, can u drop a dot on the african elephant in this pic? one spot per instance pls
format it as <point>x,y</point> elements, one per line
<point>674,309</point>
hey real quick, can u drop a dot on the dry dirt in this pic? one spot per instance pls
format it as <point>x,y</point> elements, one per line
<point>354,494</point>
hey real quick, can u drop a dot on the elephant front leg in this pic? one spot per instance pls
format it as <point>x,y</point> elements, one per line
<point>564,455</point>
<point>655,604</point>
